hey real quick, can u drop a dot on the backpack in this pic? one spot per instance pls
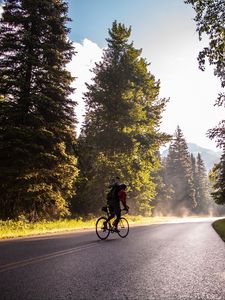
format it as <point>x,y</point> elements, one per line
<point>112,194</point>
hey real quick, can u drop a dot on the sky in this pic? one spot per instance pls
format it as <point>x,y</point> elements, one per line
<point>166,33</point>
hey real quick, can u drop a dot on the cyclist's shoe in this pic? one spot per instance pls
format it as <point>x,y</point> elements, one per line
<point>116,230</point>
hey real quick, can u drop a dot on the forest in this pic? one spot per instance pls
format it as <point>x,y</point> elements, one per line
<point>47,171</point>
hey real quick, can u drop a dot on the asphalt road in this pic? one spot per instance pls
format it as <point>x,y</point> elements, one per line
<point>165,261</point>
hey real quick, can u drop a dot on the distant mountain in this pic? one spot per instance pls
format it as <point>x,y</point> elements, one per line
<point>209,157</point>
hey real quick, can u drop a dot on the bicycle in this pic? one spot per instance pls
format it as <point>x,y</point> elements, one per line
<point>103,231</point>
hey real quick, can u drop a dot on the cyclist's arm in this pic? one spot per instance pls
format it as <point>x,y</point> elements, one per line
<point>122,196</point>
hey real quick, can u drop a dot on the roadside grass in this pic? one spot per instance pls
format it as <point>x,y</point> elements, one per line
<point>12,229</point>
<point>219,227</point>
<point>22,228</point>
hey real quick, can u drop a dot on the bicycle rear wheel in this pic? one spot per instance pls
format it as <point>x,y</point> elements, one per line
<point>102,231</point>
<point>123,227</point>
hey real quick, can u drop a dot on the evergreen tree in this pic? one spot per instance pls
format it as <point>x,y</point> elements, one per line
<point>202,187</point>
<point>164,192</point>
<point>195,178</point>
<point>217,177</point>
<point>179,175</point>
<point>194,171</point>
<point>121,134</point>
<point>37,134</point>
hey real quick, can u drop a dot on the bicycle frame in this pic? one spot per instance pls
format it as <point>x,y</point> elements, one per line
<point>111,226</point>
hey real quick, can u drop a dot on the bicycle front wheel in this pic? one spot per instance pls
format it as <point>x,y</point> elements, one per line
<point>102,231</point>
<point>123,227</point>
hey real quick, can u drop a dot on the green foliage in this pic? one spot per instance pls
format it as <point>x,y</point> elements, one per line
<point>37,137</point>
<point>121,134</point>
<point>203,198</point>
<point>182,183</point>
<point>218,173</point>
<point>217,177</point>
<point>210,19</point>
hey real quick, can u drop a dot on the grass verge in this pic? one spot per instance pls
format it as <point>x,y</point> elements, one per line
<point>219,227</point>
<point>13,229</point>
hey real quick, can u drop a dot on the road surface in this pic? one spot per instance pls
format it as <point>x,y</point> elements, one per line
<point>165,261</point>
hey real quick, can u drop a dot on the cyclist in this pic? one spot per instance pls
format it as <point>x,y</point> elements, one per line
<point>118,195</point>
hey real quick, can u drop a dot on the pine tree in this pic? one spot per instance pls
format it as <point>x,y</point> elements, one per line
<point>194,171</point>
<point>195,178</point>
<point>165,192</point>
<point>121,134</point>
<point>217,178</point>
<point>37,133</point>
<point>202,188</point>
<point>179,175</point>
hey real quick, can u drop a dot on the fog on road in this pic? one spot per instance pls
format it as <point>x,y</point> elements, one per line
<point>182,260</point>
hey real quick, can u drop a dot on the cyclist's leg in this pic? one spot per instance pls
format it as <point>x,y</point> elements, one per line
<point>118,215</point>
<point>111,214</point>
